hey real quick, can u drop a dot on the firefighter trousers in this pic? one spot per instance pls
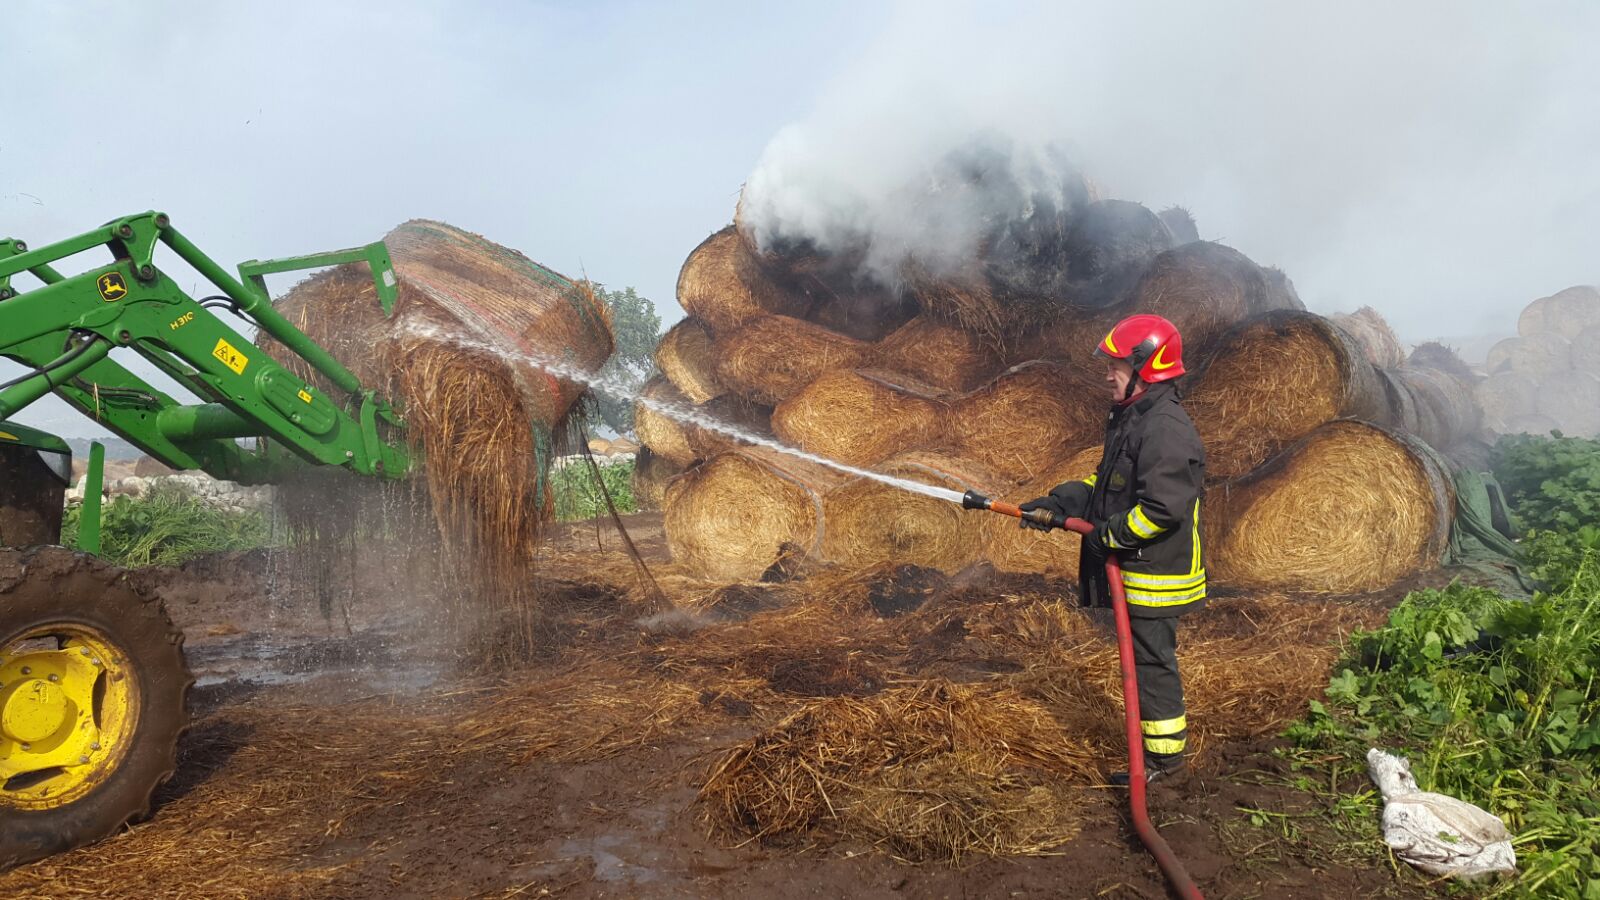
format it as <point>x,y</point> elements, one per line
<point>1161,718</point>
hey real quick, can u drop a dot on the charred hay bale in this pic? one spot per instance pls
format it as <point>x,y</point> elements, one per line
<point>686,356</point>
<point>1180,223</point>
<point>723,285</point>
<point>651,474</point>
<point>1538,356</point>
<point>933,771</point>
<point>772,358</point>
<point>1027,418</point>
<point>1433,396</point>
<point>1111,236</point>
<point>728,518</point>
<point>967,301</point>
<point>1274,379</point>
<point>1280,290</point>
<point>1015,549</point>
<point>859,417</point>
<point>1505,396</point>
<point>461,352</point>
<point>863,311</point>
<point>1373,335</point>
<point>1565,313</point>
<point>871,523</point>
<point>1351,507</point>
<point>938,354</point>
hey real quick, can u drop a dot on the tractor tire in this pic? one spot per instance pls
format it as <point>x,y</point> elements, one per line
<point>31,499</point>
<point>137,686</point>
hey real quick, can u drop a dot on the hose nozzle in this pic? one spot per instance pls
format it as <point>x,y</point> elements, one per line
<point>974,500</point>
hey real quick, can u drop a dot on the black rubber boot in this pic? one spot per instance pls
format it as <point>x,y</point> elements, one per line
<point>1153,772</point>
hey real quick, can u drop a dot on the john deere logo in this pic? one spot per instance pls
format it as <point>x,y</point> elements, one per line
<point>112,287</point>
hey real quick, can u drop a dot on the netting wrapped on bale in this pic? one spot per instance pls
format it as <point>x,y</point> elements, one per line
<point>1565,313</point>
<point>871,523</point>
<point>1373,335</point>
<point>771,358</point>
<point>461,354</point>
<point>859,416</point>
<point>1012,548</point>
<point>1027,418</point>
<point>939,354</point>
<point>728,517</point>
<point>1351,507</point>
<point>723,285</point>
<point>1272,380</point>
<point>936,771</point>
<point>688,359</point>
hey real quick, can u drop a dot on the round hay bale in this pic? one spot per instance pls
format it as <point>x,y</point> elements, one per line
<point>1505,396</point>
<point>859,417</point>
<point>1434,355</point>
<point>1280,290</point>
<point>741,413</point>
<point>723,285</point>
<point>1373,335</point>
<point>1432,404</point>
<point>938,354</point>
<point>1351,507</point>
<point>1024,421</point>
<point>1111,235</point>
<point>1565,313</point>
<point>727,518</point>
<point>651,475</point>
<point>1015,549</point>
<point>871,523</point>
<point>1204,289</point>
<point>966,300</point>
<point>1574,403</point>
<point>685,355</point>
<point>1273,380</point>
<point>667,437</point>
<point>771,358</point>
<point>863,312</point>
<point>1586,350</point>
<point>1180,222</point>
<point>1539,356</point>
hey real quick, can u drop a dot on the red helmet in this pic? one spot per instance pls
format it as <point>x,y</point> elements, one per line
<point>1150,344</point>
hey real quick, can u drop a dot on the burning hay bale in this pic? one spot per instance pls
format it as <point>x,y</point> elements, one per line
<point>936,771</point>
<point>729,517</point>
<point>1373,335</point>
<point>938,354</point>
<point>1014,549</point>
<point>1203,288</point>
<point>1109,237</point>
<point>871,523</point>
<point>1351,507</point>
<point>686,356</point>
<point>722,284</point>
<point>461,353</point>
<point>859,417</point>
<point>1274,379</point>
<point>1026,419</point>
<point>865,312</point>
<point>773,357</point>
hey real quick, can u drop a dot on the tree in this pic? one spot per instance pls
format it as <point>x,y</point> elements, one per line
<point>637,328</point>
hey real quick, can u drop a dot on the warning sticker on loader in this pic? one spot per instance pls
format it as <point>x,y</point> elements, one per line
<point>230,357</point>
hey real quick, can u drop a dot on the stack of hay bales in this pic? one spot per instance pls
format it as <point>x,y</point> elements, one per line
<point>969,382</point>
<point>483,418</point>
<point>1548,376</point>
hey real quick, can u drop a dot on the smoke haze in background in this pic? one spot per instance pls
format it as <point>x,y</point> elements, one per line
<point>1435,160</point>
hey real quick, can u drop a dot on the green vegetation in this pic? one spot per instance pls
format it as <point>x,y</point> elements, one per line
<point>1494,701</point>
<point>168,526</point>
<point>637,328</point>
<point>577,494</point>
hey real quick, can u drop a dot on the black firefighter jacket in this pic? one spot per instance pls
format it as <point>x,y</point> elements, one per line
<point>1147,493</point>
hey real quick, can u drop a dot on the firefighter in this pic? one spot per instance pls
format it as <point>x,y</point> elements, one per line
<point>1144,503</point>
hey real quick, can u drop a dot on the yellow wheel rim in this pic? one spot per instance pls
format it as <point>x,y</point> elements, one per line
<point>69,702</point>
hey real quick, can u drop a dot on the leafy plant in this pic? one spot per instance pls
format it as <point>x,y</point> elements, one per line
<point>168,526</point>
<point>577,494</point>
<point>1552,483</point>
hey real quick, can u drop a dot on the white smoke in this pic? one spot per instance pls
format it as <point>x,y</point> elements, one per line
<point>1434,159</point>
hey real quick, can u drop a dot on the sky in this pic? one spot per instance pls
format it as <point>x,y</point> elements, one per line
<point>1435,160</point>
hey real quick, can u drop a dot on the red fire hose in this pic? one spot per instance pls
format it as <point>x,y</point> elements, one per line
<point>1170,865</point>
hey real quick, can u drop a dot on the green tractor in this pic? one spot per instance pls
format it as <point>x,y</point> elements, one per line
<point>93,683</point>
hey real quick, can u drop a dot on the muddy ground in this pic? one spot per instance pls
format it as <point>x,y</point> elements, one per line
<point>354,755</point>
